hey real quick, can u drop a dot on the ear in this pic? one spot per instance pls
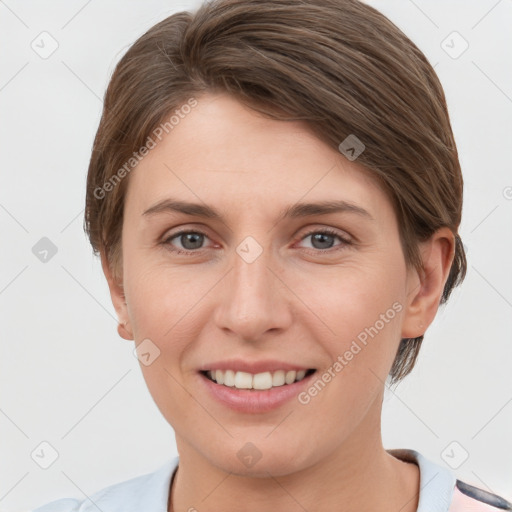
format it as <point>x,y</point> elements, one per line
<point>118,300</point>
<point>424,290</point>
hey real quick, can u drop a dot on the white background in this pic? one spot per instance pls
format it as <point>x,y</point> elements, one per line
<point>67,377</point>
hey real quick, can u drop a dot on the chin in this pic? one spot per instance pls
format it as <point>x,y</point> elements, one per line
<point>261,459</point>
<point>264,468</point>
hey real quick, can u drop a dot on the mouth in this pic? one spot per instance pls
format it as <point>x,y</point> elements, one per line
<point>256,381</point>
<point>254,387</point>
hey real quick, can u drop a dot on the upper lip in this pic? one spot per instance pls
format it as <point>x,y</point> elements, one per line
<point>239,365</point>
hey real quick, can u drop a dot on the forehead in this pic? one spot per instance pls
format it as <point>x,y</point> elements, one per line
<point>226,154</point>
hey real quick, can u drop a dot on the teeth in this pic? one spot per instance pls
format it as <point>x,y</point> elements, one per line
<point>265,380</point>
<point>242,380</point>
<point>290,376</point>
<point>278,378</point>
<point>262,381</point>
<point>229,378</point>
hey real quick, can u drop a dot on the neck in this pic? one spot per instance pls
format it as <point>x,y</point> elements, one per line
<point>358,475</point>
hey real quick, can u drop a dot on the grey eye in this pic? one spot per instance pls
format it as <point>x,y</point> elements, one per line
<point>322,240</point>
<point>191,241</point>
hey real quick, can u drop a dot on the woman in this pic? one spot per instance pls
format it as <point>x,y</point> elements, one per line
<point>275,194</point>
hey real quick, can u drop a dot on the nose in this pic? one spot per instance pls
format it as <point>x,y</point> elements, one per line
<point>253,299</point>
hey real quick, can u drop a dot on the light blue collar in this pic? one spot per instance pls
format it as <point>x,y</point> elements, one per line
<point>150,492</point>
<point>437,483</point>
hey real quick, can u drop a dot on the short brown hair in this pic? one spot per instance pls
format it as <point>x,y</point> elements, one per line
<point>339,65</point>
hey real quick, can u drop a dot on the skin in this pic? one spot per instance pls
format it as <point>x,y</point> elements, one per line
<point>299,302</point>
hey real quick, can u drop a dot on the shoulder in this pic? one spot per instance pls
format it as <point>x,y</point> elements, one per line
<point>440,491</point>
<point>147,492</point>
<point>469,498</point>
<point>63,505</point>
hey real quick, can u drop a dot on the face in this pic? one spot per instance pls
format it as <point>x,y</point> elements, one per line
<point>265,286</point>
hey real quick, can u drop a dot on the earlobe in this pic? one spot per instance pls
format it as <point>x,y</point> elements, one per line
<point>124,332</point>
<point>425,289</point>
<point>118,300</point>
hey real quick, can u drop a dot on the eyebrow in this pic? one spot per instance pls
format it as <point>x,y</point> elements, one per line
<point>292,211</point>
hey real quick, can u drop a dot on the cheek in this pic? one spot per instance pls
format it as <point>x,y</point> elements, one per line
<point>349,295</point>
<point>165,308</point>
<point>362,309</point>
<point>158,295</point>
<point>167,305</point>
<point>356,312</point>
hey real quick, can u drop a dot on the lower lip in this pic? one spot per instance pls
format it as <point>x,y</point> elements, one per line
<point>255,401</point>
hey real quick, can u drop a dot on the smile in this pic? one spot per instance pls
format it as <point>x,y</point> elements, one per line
<point>258,381</point>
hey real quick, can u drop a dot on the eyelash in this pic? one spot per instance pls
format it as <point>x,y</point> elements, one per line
<point>324,231</point>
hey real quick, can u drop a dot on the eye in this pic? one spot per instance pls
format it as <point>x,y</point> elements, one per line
<point>323,239</point>
<point>190,241</point>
